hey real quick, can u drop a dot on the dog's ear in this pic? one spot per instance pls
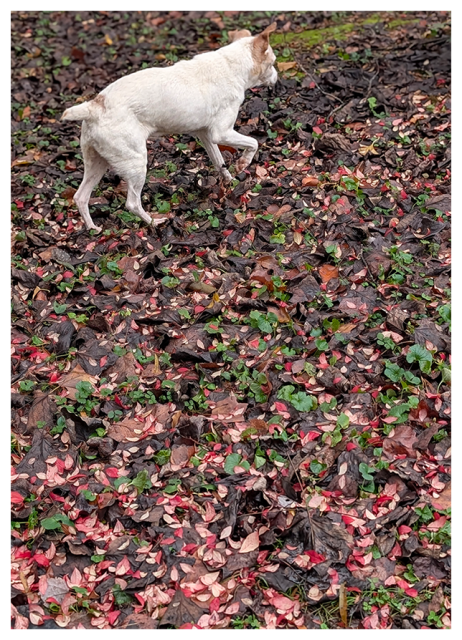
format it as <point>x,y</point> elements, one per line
<point>261,42</point>
<point>238,34</point>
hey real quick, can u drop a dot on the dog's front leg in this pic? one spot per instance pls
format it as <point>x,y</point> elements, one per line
<point>214,155</point>
<point>235,139</point>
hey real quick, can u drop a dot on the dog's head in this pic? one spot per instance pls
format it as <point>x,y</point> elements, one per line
<point>263,72</point>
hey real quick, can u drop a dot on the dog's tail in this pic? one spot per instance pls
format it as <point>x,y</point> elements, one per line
<point>85,111</point>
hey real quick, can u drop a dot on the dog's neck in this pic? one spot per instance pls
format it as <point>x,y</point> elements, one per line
<point>243,73</point>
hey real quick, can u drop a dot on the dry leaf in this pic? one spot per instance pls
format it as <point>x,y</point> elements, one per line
<point>327,272</point>
<point>251,543</point>
<point>284,66</point>
<point>364,150</point>
<point>443,501</point>
<point>70,380</point>
<point>310,181</point>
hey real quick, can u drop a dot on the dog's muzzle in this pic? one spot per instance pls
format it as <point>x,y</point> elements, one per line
<point>271,82</point>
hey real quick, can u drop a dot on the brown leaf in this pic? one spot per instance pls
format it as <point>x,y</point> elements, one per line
<point>280,313</point>
<point>327,272</point>
<point>260,425</point>
<point>443,501</point>
<point>124,368</point>
<point>229,410</point>
<point>70,380</point>
<point>181,454</point>
<point>182,610</point>
<point>139,621</point>
<point>310,181</point>
<point>56,588</point>
<point>42,410</point>
<point>402,441</point>
<point>125,431</point>
<point>284,66</point>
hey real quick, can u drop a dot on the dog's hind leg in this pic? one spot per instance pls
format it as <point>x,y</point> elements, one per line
<point>94,168</point>
<point>130,163</point>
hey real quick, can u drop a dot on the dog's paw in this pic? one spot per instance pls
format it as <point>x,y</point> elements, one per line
<point>158,218</point>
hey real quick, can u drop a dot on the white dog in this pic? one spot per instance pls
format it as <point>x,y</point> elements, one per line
<point>201,97</point>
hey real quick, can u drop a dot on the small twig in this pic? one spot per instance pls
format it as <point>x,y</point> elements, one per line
<point>336,109</point>
<point>329,95</point>
<point>371,81</point>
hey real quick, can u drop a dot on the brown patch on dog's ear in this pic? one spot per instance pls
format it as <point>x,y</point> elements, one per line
<point>238,34</point>
<point>261,43</point>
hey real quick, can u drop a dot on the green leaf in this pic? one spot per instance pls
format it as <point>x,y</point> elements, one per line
<point>418,353</point>
<point>172,486</point>
<point>410,377</point>
<point>213,328</point>
<point>121,480</point>
<point>59,309</point>
<point>55,521</point>
<point>316,467</point>
<point>88,495</point>
<point>142,481</point>
<point>97,558</point>
<point>393,371</point>
<point>321,344</point>
<point>446,375</point>
<point>328,406</point>
<point>264,326</point>
<point>26,385</point>
<point>259,461</point>
<point>50,523</point>
<point>343,421</point>
<point>163,207</point>
<point>285,393</point>
<point>365,471</point>
<point>303,402</point>
<point>445,313</point>
<point>300,400</point>
<point>121,597</point>
<point>232,461</point>
<point>162,456</point>
<point>400,411</point>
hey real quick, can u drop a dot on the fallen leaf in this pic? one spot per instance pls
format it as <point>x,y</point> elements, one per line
<point>443,501</point>
<point>327,272</point>
<point>284,66</point>
<point>251,543</point>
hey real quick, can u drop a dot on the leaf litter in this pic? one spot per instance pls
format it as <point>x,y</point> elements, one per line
<point>241,417</point>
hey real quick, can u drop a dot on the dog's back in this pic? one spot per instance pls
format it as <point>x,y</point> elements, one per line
<point>206,84</point>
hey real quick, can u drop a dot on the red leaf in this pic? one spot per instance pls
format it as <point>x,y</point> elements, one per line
<point>16,498</point>
<point>41,560</point>
<point>112,617</point>
<point>112,472</point>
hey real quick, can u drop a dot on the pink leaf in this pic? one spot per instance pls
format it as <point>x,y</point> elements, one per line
<point>251,543</point>
<point>282,603</point>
